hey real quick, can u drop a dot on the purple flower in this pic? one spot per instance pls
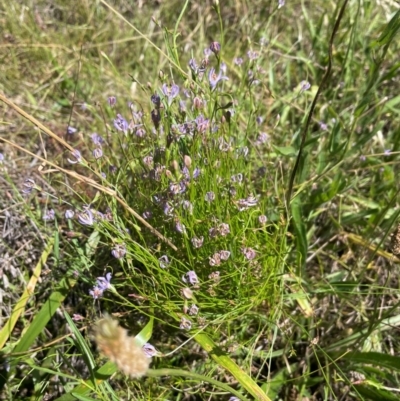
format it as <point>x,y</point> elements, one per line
<point>77,155</point>
<point>180,227</point>
<point>86,217</point>
<point>49,215</point>
<point>71,130</point>
<point>262,219</point>
<point>29,185</point>
<point>252,55</point>
<point>104,282</point>
<point>363,158</point>
<point>190,277</point>
<point>238,61</point>
<point>171,92</point>
<point>214,79</point>
<point>244,204</point>
<point>164,261</point>
<point>197,242</point>
<point>214,276</point>
<point>196,172</point>
<point>224,255</point>
<point>215,47</point>
<point>387,152</point>
<point>97,153</point>
<point>193,65</point>
<point>96,139</point>
<point>119,251</point>
<point>210,196</point>
<point>215,260</point>
<point>304,86</point>
<point>323,126</point>
<point>1,158</point>
<point>185,324</point>
<point>147,214</point>
<point>202,123</point>
<point>262,138</point>
<point>112,100</point>
<point>69,214</point>
<point>193,310</point>
<point>237,178</point>
<point>187,205</point>
<point>224,229</point>
<point>76,317</point>
<point>281,3</point>
<point>121,124</point>
<point>249,253</point>
<point>149,350</point>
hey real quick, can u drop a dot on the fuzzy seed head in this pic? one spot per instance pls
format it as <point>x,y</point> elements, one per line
<point>113,342</point>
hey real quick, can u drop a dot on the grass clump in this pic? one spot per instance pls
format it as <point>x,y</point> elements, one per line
<point>231,219</point>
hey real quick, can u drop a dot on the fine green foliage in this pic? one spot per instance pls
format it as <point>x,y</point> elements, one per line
<point>220,178</point>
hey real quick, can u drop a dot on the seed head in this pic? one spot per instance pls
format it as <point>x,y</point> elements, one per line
<point>113,342</point>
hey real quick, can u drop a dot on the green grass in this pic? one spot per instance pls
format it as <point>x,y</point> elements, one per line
<point>306,304</point>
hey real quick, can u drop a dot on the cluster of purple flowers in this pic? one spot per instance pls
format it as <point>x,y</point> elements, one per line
<point>102,284</point>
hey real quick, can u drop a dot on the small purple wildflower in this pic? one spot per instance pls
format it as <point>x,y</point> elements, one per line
<point>188,206</point>
<point>147,214</point>
<point>198,103</point>
<point>163,261</point>
<point>238,61</point>
<point>86,217</point>
<point>119,251</point>
<point>202,123</point>
<point>215,276</point>
<point>215,47</point>
<point>224,229</point>
<point>76,317</point>
<point>262,219</point>
<point>77,155</point>
<point>148,161</point>
<point>1,158</point>
<point>207,52</point>
<point>304,86</point>
<point>252,55</point>
<point>180,227</point>
<point>104,283</point>
<point>193,65</point>
<point>213,232</point>
<point>112,100</point>
<point>196,173</point>
<point>191,278</point>
<point>262,138</point>
<point>97,153</point>
<point>387,152</point>
<point>96,293</point>
<point>281,3</point>
<point>113,169</point>
<point>168,209</point>
<point>233,398</point>
<point>215,260</point>
<point>29,185</point>
<point>185,324</point>
<point>237,178</point>
<point>323,126</point>
<point>259,120</point>
<point>363,158</point>
<point>171,92</point>
<point>193,310</point>
<point>71,130</point>
<point>140,132</point>
<point>244,204</point>
<point>249,253</point>
<point>69,214</point>
<point>121,124</point>
<point>96,139</point>
<point>149,350</point>
<point>224,255</point>
<point>209,197</point>
<point>197,242</point>
<point>49,215</point>
<point>214,79</point>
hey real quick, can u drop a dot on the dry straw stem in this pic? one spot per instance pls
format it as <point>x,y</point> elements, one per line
<point>114,343</point>
<point>73,174</point>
